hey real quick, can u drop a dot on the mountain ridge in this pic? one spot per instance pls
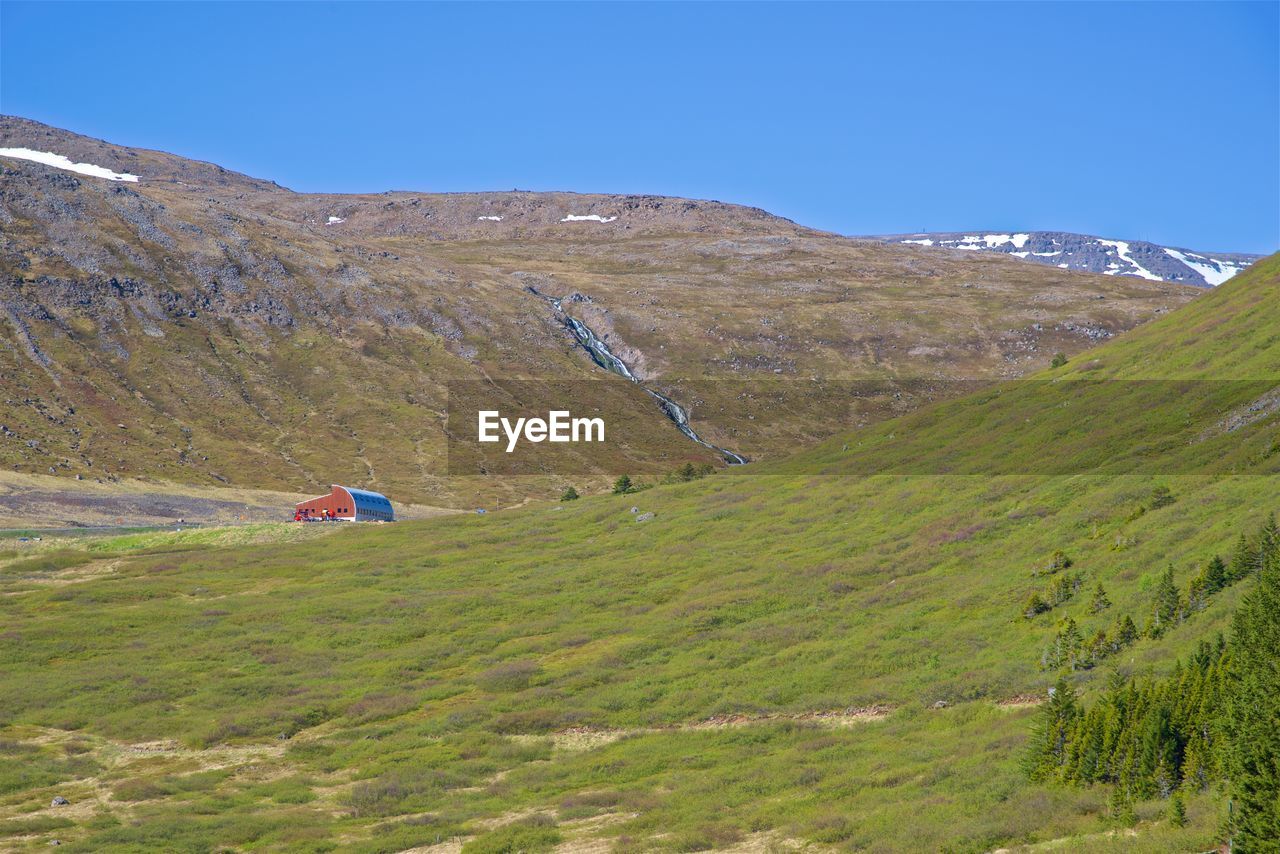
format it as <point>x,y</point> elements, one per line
<point>208,313</point>
<point>1108,256</point>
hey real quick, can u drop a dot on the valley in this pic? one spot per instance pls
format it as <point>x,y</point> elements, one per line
<point>810,656</point>
<point>639,428</point>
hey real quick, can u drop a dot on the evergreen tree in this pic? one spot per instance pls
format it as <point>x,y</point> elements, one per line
<point>1177,812</point>
<point>622,485</point>
<point>570,494</point>
<point>1243,560</point>
<point>1035,605</point>
<point>1269,543</point>
<point>1124,633</point>
<point>1063,589</point>
<point>1211,579</point>
<point>1167,607</point>
<point>1120,805</point>
<point>1049,742</point>
<point>1215,575</point>
<point>1252,716</point>
<point>1072,644</point>
<point>1100,601</point>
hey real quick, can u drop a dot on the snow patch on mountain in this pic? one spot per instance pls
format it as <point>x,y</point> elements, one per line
<point>48,158</point>
<point>1069,251</point>
<point>1123,251</point>
<point>489,218</point>
<point>588,218</point>
<point>1214,272</point>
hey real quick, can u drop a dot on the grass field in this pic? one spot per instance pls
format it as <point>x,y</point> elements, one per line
<point>806,658</point>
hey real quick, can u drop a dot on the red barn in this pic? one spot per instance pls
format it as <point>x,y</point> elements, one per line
<point>348,504</point>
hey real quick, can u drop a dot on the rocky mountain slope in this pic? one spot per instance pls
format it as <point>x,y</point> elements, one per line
<point>197,325</point>
<point>1095,254</point>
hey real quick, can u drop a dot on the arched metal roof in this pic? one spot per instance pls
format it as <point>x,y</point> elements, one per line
<point>368,501</point>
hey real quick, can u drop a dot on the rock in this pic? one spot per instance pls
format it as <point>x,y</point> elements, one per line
<point>941,704</point>
<point>645,517</point>
<point>635,509</point>
<point>59,801</point>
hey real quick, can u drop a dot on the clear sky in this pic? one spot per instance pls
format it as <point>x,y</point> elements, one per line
<point>1149,121</point>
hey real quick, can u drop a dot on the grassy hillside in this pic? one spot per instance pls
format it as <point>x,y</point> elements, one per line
<point>769,662</point>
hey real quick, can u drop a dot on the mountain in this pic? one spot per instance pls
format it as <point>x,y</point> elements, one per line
<point>833,652</point>
<point>1094,254</point>
<point>199,326</point>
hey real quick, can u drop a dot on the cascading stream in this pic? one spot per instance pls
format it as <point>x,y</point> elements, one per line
<point>604,357</point>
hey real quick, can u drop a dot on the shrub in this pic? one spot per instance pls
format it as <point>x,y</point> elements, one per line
<point>523,837</point>
<point>1035,605</point>
<point>508,676</point>
<point>569,494</point>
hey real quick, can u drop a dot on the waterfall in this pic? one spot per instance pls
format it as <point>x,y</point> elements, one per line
<point>605,358</point>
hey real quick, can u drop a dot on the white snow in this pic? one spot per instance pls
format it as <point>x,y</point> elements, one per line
<point>980,241</point>
<point>1020,254</point>
<point>334,220</point>
<point>1047,254</point>
<point>588,218</point>
<point>48,158</point>
<point>1122,249</point>
<point>994,240</point>
<point>991,241</point>
<point>489,218</point>
<point>1215,272</point>
<point>1065,266</point>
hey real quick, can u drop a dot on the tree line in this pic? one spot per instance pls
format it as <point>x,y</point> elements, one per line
<point>1215,718</point>
<point>1073,649</point>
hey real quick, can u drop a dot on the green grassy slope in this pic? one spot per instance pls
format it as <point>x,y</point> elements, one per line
<point>759,664</point>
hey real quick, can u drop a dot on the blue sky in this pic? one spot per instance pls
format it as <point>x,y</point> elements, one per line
<point>1149,121</point>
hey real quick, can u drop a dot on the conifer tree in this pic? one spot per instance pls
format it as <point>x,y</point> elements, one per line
<point>1243,560</point>
<point>1124,633</point>
<point>1252,716</point>
<point>1100,601</point>
<point>1167,607</point>
<point>1035,605</point>
<point>1049,741</point>
<point>1177,812</point>
<point>1215,575</point>
<point>1269,543</point>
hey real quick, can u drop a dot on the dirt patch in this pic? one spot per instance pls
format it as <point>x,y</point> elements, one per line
<point>586,738</point>
<point>41,501</point>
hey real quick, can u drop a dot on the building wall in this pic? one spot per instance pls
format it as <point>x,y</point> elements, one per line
<point>343,505</point>
<point>338,502</point>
